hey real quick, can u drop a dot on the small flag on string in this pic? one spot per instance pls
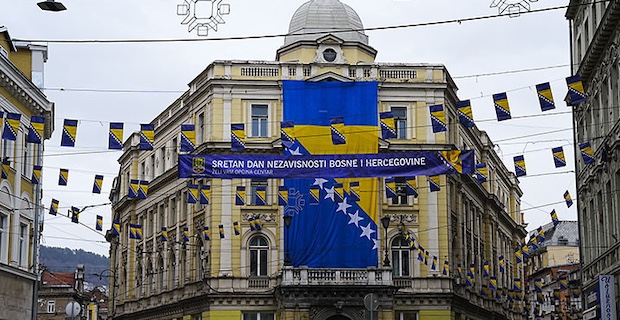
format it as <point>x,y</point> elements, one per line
<point>493,283</point>
<point>99,223</point>
<point>192,195</point>
<point>237,137</point>
<point>517,285</point>
<point>164,234</point>
<point>135,231</point>
<point>147,136</point>
<point>434,264</point>
<point>240,196</point>
<point>426,257</point>
<point>338,192</point>
<point>390,188</point>
<point>115,139</point>
<point>576,93</point>
<point>36,174</point>
<point>554,218</point>
<point>54,207</point>
<point>502,264</point>
<point>482,172</point>
<point>459,270</point>
<point>221,227</point>
<point>466,116</point>
<point>525,250</point>
<point>11,126</point>
<point>558,157</point>
<point>206,234</point>
<point>518,254</point>
<point>205,194</point>
<point>411,186</point>
<point>236,228</point>
<point>260,196</point>
<point>433,182</point>
<point>132,192</point>
<point>388,127</point>
<point>337,130</point>
<point>69,133</point>
<point>354,191</point>
<point>185,234</point>
<point>545,96</point>
<point>287,133</point>
<point>252,223</point>
<point>587,153</point>
<point>188,137</point>
<point>75,214</point>
<point>502,108</point>
<point>315,194</point>
<point>257,223</point>
<point>471,272</point>
<point>540,235</point>
<point>446,268</point>
<point>35,132</point>
<point>63,177</point>
<point>116,228</point>
<point>485,269</point>
<point>6,167</point>
<point>569,200</point>
<point>143,189</point>
<point>420,253</point>
<point>438,118</point>
<point>520,166</point>
<point>98,183</point>
<point>282,196</point>
<point>563,283</point>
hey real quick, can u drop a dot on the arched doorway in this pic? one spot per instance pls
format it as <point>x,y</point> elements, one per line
<point>338,317</point>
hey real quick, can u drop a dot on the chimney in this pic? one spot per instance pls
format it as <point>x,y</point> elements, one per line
<point>79,278</point>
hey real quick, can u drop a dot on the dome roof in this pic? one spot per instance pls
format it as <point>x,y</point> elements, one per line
<point>317,18</point>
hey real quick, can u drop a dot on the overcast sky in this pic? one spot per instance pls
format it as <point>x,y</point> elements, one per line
<point>98,83</point>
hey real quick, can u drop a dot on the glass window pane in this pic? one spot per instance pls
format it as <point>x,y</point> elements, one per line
<point>266,316</point>
<point>395,261</point>
<point>263,262</point>
<point>405,263</point>
<point>253,262</point>
<point>259,110</point>
<point>250,316</point>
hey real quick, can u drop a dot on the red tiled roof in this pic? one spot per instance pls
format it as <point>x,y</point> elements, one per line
<point>57,279</point>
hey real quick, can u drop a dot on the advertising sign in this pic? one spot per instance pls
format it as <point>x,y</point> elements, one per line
<point>607,296</point>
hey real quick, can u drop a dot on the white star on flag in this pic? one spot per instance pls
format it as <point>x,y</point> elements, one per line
<point>319,182</point>
<point>355,218</point>
<point>295,152</point>
<point>376,244</point>
<point>343,206</point>
<point>330,193</point>
<point>367,231</point>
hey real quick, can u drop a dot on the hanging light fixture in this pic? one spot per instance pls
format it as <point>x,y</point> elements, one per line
<point>51,5</point>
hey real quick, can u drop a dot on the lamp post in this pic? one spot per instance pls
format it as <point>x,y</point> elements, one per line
<point>51,5</point>
<point>385,221</point>
<point>287,223</point>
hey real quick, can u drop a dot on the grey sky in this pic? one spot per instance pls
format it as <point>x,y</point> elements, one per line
<point>161,71</point>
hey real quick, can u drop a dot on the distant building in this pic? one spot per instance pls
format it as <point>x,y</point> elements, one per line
<point>595,52</point>
<point>553,266</point>
<point>57,289</point>
<point>236,259</point>
<point>21,80</point>
<point>97,308</point>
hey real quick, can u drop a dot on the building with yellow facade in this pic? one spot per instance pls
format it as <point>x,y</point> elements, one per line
<point>296,247</point>
<point>21,99</point>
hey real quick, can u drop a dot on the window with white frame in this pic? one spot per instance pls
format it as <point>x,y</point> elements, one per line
<point>51,306</point>
<point>173,212</point>
<point>4,232</point>
<point>260,116</point>
<point>22,259</point>
<point>254,184</point>
<point>174,150</point>
<point>407,316</point>
<point>143,170</point>
<point>400,121</point>
<point>258,256</point>
<point>7,150</point>
<point>200,134</point>
<point>400,258</point>
<point>401,191</point>
<point>258,316</point>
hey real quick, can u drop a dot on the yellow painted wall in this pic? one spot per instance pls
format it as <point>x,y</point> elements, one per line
<point>435,314</point>
<point>25,111</point>
<point>303,55</point>
<point>222,315</point>
<point>217,118</point>
<point>354,56</point>
<point>22,59</point>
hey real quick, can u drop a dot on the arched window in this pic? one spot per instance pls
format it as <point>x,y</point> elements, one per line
<point>258,256</point>
<point>400,257</point>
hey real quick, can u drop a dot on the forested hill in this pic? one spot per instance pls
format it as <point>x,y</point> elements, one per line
<point>66,260</point>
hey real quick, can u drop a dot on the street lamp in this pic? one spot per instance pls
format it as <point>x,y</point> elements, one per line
<point>51,5</point>
<point>385,221</point>
<point>287,223</point>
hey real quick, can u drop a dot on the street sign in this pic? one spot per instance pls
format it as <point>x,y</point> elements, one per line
<point>371,302</point>
<point>73,309</point>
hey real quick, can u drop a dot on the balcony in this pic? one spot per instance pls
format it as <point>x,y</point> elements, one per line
<point>304,276</point>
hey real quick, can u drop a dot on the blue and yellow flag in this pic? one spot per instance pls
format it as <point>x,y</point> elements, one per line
<point>282,195</point>
<point>192,195</point>
<point>411,186</point>
<point>116,228</point>
<point>502,109</point>
<point>426,257</point>
<point>287,133</point>
<point>517,285</point>
<point>35,132</point>
<point>502,264</point>
<point>446,268</point>
<point>388,127</point>
<point>205,194</point>
<point>438,118</point>
<point>164,234</point>
<point>556,295</point>
<point>390,188</point>
<point>11,126</point>
<point>563,283</point>
<point>587,153</point>
<point>466,117</point>
<point>485,269</point>
<point>147,136</point>
<point>257,223</point>
<point>525,251</point>
<point>540,235</point>
<point>260,196</point>
<point>520,166</point>
<point>493,283</point>
<point>143,189</point>
<point>337,128</point>
<point>354,191</point>
<point>63,177</point>
<point>434,184</point>
<point>54,207</point>
<point>236,228</point>
<point>252,223</point>
<point>558,157</point>
<point>75,214</point>
<point>99,223</point>
<point>240,196</point>
<point>576,292</point>
<point>185,234</point>
<point>188,137</point>
<point>98,183</point>
<point>434,264</point>
<point>115,139</point>
<point>554,218</point>
<point>420,253</point>
<point>312,106</point>
<point>482,173</point>
<point>6,167</point>
<point>471,271</point>
<point>237,137</point>
<point>518,254</point>
<point>459,271</point>
<point>69,133</point>
<point>339,192</point>
<point>568,199</point>
<point>221,227</point>
<point>461,161</point>
<point>576,93</point>
<point>206,234</point>
<point>132,192</point>
<point>545,96</point>
<point>135,231</point>
<point>36,174</point>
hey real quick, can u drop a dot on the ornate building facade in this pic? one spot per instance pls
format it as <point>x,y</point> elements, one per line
<point>250,275</point>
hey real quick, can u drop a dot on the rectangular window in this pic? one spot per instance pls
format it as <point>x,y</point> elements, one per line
<point>258,316</point>
<point>3,232</point>
<point>173,211</point>
<point>7,149</point>
<point>184,207</point>
<point>200,134</point>
<point>260,115</point>
<point>143,170</point>
<point>23,244</point>
<point>162,153</point>
<point>401,192</point>
<point>400,121</point>
<point>174,150</point>
<point>162,215</point>
<point>51,306</point>
<point>407,316</point>
<point>152,167</point>
<point>254,184</point>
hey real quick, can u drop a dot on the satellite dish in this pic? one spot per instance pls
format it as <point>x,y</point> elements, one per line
<point>73,309</point>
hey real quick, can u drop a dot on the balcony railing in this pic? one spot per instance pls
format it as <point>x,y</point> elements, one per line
<point>318,276</point>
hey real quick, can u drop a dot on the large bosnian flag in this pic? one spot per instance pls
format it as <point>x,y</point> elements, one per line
<point>336,232</point>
